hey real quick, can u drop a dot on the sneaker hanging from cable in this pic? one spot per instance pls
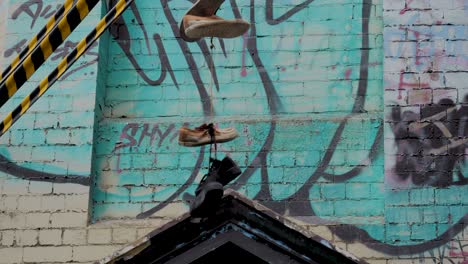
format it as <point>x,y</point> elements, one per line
<point>205,134</point>
<point>200,21</point>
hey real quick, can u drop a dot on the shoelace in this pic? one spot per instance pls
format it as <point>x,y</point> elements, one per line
<point>209,170</point>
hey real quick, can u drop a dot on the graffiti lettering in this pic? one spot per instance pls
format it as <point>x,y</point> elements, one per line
<point>35,9</point>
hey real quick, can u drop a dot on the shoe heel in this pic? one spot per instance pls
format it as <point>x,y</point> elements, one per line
<point>207,200</point>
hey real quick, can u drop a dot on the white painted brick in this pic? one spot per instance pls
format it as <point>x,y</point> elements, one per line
<point>92,253</point>
<point>9,203</point>
<point>123,235</point>
<point>77,202</point>
<point>11,255</point>
<point>393,4</point>
<point>456,17</point>
<point>437,4</point>
<point>29,203</point>
<point>74,236</point>
<point>68,219</point>
<point>419,4</point>
<point>456,79</point>
<point>52,254</point>
<point>423,96</point>
<point>38,220</point>
<point>15,187</point>
<point>53,203</point>
<point>70,188</point>
<point>12,221</point>
<point>359,249</point>
<point>375,261</point>
<point>26,237</point>
<point>141,232</point>
<point>8,238</point>
<point>50,237</point>
<point>99,236</point>
<point>40,187</point>
<point>440,94</point>
<point>400,261</point>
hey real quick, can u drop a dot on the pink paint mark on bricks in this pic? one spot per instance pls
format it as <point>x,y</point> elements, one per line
<point>244,50</point>
<point>348,74</point>
<point>402,85</point>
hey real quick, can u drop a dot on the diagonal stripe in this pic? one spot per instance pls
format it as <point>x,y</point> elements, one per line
<point>46,47</point>
<point>64,65</point>
<point>33,42</point>
<point>7,122</point>
<point>25,105</point>
<point>11,86</point>
<point>83,9</point>
<point>65,30</point>
<point>28,66</point>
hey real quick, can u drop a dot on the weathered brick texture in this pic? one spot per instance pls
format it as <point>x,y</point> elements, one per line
<point>352,117</point>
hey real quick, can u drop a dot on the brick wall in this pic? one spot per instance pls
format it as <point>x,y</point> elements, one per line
<point>350,113</point>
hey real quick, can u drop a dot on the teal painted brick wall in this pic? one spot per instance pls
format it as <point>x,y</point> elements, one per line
<point>335,102</point>
<point>306,94</point>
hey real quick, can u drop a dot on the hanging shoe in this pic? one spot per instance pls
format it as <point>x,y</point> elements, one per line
<point>201,135</point>
<point>197,27</point>
<point>208,193</point>
<point>201,8</point>
<point>228,171</point>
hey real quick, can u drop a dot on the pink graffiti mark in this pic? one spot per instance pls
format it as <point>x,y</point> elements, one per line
<point>244,50</point>
<point>129,139</point>
<point>402,85</point>
<point>420,52</point>
<point>348,74</point>
<point>406,8</point>
<point>456,252</point>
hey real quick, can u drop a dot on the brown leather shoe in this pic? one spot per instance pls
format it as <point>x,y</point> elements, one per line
<point>197,27</point>
<point>201,135</point>
<point>203,8</point>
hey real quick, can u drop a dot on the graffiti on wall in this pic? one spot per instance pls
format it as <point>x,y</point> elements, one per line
<point>34,10</point>
<point>337,178</point>
<point>338,170</point>
<point>435,153</point>
<point>31,137</point>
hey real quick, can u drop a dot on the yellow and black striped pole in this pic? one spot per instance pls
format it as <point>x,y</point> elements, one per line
<point>80,49</point>
<point>44,49</point>
<point>38,38</point>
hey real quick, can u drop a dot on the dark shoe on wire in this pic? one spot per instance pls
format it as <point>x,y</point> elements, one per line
<point>208,193</point>
<point>228,171</point>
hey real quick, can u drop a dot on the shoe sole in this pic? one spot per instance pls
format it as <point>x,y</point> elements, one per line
<point>207,200</point>
<point>217,29</point>
<point>198,10</point>
<point>208,141</point>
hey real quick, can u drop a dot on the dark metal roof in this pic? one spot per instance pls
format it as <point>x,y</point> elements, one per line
<point>239,229</point>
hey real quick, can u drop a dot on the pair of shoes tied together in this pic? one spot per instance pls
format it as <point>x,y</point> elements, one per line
<point>200,21</point>
<point>205,134</point>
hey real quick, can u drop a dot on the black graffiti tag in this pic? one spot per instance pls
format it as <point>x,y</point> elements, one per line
<point>35,9</point>
<point>430,150</point>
